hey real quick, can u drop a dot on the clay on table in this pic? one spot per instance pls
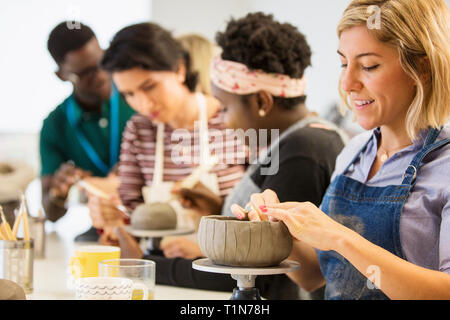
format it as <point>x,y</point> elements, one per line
<point>232,242</point>
<point>10,290</point>
<point>154,216</point>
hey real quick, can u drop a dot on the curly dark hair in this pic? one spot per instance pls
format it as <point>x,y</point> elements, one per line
<point>148,46</point>
<point>260,42</point>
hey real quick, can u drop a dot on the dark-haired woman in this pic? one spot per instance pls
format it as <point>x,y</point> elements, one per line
<point>259,79</point>
<point>169,136</point>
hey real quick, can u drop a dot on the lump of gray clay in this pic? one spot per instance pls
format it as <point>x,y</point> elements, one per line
<point>231,242</point>
<point>154,216</point>
<point>10,290</point>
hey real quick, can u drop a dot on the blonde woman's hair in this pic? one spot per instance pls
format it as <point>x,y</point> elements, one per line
<point>420,31</point>
<point>201,51</point>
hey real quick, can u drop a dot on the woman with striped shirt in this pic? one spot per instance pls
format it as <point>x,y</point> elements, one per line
<point>152,71</point>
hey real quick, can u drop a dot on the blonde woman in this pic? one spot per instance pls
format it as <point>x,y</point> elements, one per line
<point>383,228</point>
<point>201,51</point>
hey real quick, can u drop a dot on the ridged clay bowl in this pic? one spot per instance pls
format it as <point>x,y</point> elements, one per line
<point>232,242</point>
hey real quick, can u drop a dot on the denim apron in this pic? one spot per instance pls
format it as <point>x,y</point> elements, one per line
<point>374,213</point>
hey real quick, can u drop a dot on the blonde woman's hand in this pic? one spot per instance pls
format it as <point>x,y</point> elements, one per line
<point>256,201</point>
<point>307,223</point>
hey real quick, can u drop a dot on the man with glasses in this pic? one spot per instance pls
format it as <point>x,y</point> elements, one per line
<point>82,135</point>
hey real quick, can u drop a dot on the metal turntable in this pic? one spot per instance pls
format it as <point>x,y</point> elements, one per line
<point>151,239</point>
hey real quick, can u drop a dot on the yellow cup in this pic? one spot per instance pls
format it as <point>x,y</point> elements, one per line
<point>85,261</point>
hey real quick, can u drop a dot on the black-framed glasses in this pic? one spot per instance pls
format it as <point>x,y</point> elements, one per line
<point>87,75</point>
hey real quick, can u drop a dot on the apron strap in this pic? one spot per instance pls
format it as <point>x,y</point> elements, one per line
<point>410,174</point>
<point>203,138</point>
<point>114,133</point>
<point>159,156</point>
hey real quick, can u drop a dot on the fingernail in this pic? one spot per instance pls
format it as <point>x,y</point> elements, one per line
<point>263,208</point>
<point>240,216</point>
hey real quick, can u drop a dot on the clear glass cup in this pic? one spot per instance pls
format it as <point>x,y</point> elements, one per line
<point>141,271</point>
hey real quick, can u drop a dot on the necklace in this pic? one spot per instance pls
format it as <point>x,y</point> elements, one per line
<point>386,154</point>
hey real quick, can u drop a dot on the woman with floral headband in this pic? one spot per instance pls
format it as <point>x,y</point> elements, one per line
<point>259,79</point>
<point>383,228</point>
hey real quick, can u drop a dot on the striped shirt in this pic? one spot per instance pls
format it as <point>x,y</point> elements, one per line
<point>181,154</point>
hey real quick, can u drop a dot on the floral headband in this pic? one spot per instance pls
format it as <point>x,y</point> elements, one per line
<point>235,77</point>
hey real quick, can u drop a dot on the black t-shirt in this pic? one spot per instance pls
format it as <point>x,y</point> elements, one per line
<point>306,162</point>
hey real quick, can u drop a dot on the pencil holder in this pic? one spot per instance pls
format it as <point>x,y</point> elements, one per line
<point>37,233</point>
<point>16,262</point>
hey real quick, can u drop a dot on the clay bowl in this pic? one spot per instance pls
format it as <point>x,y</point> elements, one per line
<point>10,290</point>
<point>232,242</point>
<point>154,216</point>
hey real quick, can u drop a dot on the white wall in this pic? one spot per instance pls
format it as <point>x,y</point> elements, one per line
<point>29,89</point>
<point>316,19</point>
<point>202,16</point>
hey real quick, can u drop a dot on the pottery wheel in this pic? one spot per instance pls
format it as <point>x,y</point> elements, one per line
<point>245,277</point>
<point>158,233</point>
<point>154,237</point>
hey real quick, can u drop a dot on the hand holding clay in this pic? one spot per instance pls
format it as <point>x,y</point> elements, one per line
<point>231,242</point>
<point>109,237</point>
<point>103,200</point>
<point>307,223</point>
<point>64,178</point>
<point>182,248</point>
<point>251,210</point>
<point>200,198</point>
<point>104,212</point>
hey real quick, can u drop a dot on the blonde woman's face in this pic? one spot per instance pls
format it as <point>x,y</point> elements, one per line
<point>379,89</point>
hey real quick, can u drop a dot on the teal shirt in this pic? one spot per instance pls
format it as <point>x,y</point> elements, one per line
<point>59,143</point>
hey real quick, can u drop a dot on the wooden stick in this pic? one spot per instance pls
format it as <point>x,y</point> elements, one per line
<point>2,236</point>
<point>16,224</point>
<point>26,230</point>
<point>6,227</point>
<point>93,189</point>
<point>40,215</point>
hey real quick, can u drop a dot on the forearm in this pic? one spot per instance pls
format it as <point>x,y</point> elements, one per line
<point>54,207</point>
<point>397,278</point>
<point>309,276</point>
<point>54,210</point>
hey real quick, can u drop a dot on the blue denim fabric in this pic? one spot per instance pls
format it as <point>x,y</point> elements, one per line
<point>374,213</point>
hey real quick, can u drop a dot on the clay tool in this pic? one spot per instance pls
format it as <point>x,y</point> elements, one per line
<point>101,194</point>
<point>16,224</point>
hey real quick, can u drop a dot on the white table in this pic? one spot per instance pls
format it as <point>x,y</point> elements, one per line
<point>51,274</point>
